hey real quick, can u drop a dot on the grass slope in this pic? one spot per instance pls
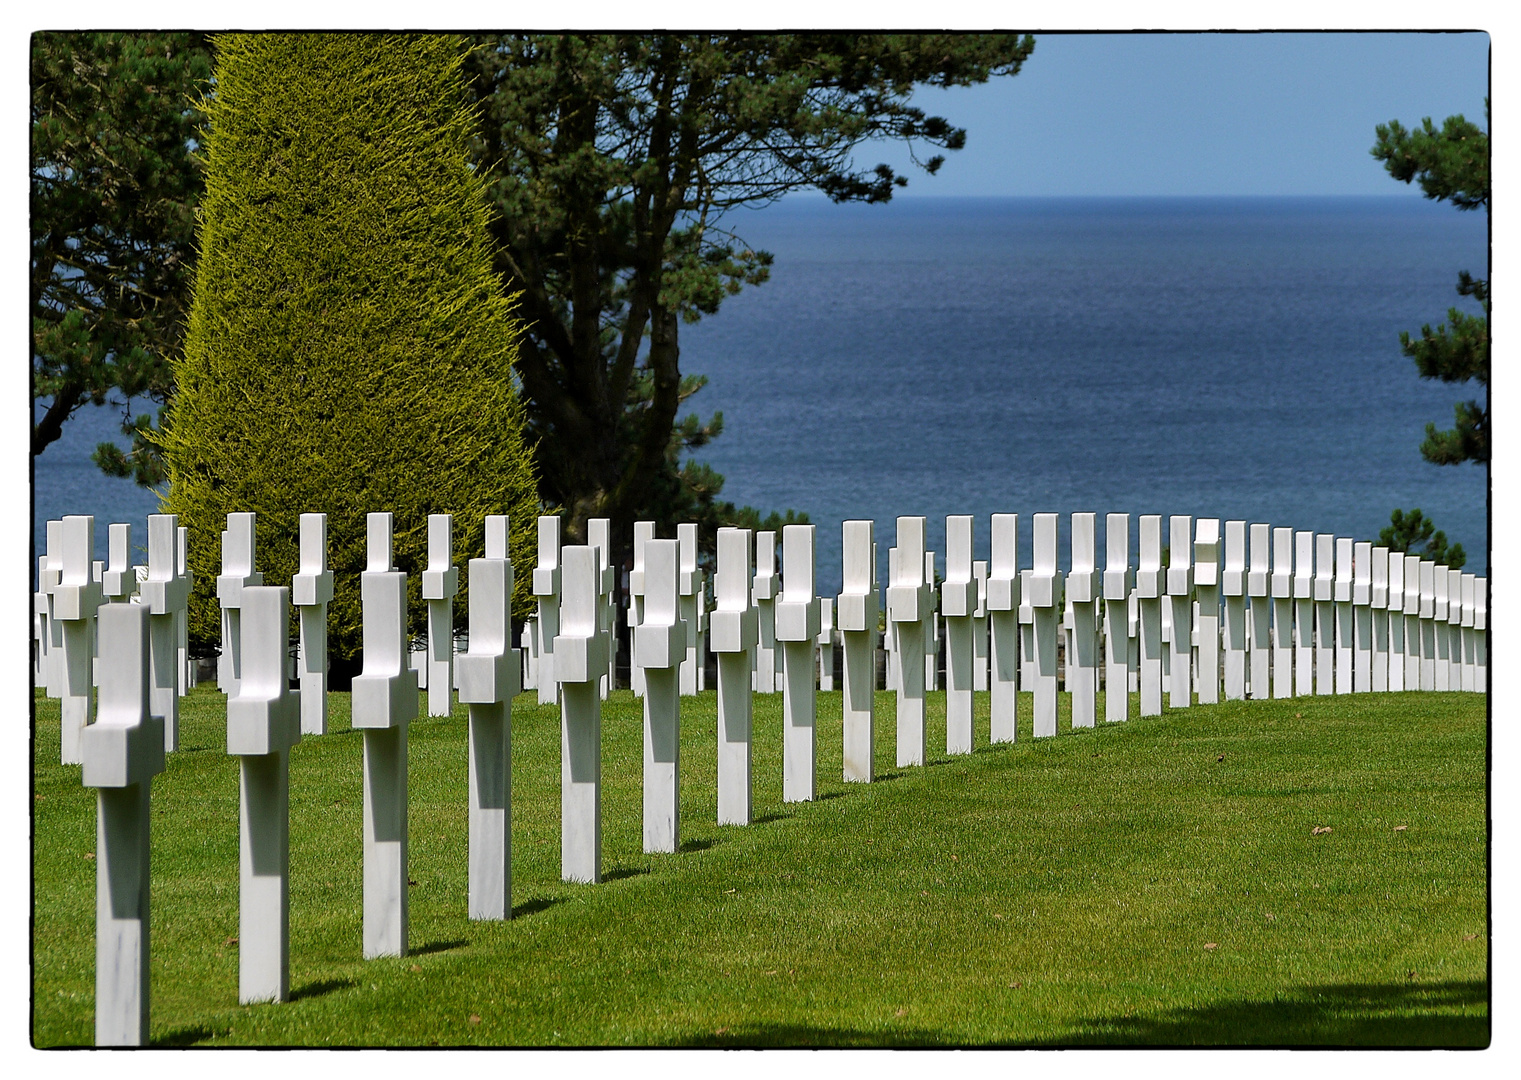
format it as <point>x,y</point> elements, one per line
<point>1156,882</point>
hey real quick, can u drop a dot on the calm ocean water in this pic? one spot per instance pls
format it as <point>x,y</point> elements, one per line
<point>1236,358</point>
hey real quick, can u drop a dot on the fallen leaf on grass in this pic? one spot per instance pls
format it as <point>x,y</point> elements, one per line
<point>768,973</point>
<point>955,858</point>
<point>475,1018</point>
<point>996,916</point>
<point>721,1031</point>
<point>230,941</point>
<point>901,1013</point>
<point>1270,915</point>
<point>1469,937</point>
<point>729,890</point>
<point>89,855</point>
<point>1211,945</point>
<point>416,967</point>
<point>1298,716</point>
<point>1220,758</point>
<point>1401,828</point>
<point>1015,985</point>
<point>1320,829</point>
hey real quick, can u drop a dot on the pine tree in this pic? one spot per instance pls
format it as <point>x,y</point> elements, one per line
<point>349,347</point>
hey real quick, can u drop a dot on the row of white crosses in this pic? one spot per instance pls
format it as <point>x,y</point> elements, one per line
<point>72,588</point>
<point>125,746</point>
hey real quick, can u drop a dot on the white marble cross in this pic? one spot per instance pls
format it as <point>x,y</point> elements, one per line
<point>165,594</point>
<point>1425,629</point>
<point>1397,600</point>
<point>186,667</point>
<point>76,598</point>
<point>764,593</point>
<point>547,586</point>
<point>263,723</point>
<point>1150,589</point>
<point>1233,591</point>
<point>237,574</point>
<point>980,627</point>
<point>440,585</point>
<point>797,628</point>
<point>1362,616</point>
<point>580,655</point>
<point>1118,584</point>
<point>1044,596</point>
<point>117,580</point>
<point>932,626</point>
<point>384,701</point>
<point>1481,634</point>
<point>1207,593</point>
<point>908,602</point>
<point>825,643</point>
<point>1325,613</point>
<point>691,584</point>
<point>488,676</point>
<point>1283,583</point>
<point>734,634</point>
<point>1180,598</point>
<point>857,608</point>
<point>600,536</point>
<point>958,602</point>
<point>1004,600</point>
<point>529,642</point>
<point>121,753</point>
<point>311,589</point>
<point>1378,609</point>
<point>1259,589</point>
<point>660,649</point>
<point>644,532</point>
<point>1304,613</point>
<point>1439,617</point>
<point>1470,633</point>
<point>48,578</point>
<point>1454,629</point>
<point>1084,592</point>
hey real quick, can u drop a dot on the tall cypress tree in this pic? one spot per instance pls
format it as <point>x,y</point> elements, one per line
<point>349,347</point>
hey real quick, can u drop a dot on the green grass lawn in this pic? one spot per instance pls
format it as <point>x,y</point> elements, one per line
<point>1153,882</point>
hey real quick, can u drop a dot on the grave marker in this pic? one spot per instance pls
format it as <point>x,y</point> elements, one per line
<point>735,631</point>
<point>1083,596</point>
<point>599,535</point>
<point>1304,613</point>
<point>644,532</point>
<point>1397,662</point>
<point>1341,619</point>
<point>1481,634</point>
<point>1425,627</point>
<point>691,583</point>
<point>931,627</point>
<point>1454,629</point>
<point>660,650</point>
<point>1378,610</point>
<point>489,676</point>
<point>1207,590</point>
<point>1180,589</point>
<point>237,574</point>
<point>117,580</point>
<point>857,606</point>
<point>797,627</point>
<point>580,653</point>
<point>164,594</point>
<point>546,586</point>
<point>1150,588</point>
<point>311,591</point>
<point>1119,585</point>
<point>980,627</point>
<point>440,585</point>
<point>49,577</point>
<point>263,723</point>
<point>1258,588</point>
<point>1044,597</point>
<point>826,643</point>
<point>76,598</point>
<point>1233,589</point>
<point>958,602</point>
<point>1283,613</point>
<point>182,619</point>
<point>1362,616</point>
<point>1470,601</point>
<point>1412,622</point>
<point>765,606</point>
<point>1441,664</point>
<point>384,701</point>
<point>1325,614</point>
<point>121,753</point>
<point>908,600</point>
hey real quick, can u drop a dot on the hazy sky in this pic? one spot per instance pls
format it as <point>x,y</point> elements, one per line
<point>1201,114</point>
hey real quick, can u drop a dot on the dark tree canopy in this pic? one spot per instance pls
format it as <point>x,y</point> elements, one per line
<point>113,197</point>
<point>1450,164</point>
<point>613,161</point>
<point>1415,534</point>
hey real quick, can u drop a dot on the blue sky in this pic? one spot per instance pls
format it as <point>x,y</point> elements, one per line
<point>1200,114</point>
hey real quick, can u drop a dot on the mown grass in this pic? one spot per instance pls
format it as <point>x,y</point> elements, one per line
<point>1153,882</point>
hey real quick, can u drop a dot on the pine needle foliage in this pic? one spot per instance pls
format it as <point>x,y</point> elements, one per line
<point>349,347</point>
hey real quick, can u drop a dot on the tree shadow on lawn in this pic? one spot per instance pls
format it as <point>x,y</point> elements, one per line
<point>320,987</point>
<point>1410,1014</point>
<point>745,1035</point>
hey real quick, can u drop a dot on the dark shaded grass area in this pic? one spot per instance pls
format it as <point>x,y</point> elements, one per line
<point>1158,882</point>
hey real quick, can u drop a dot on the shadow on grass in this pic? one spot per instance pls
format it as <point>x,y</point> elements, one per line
<point>779,1035</point>
<point>321,987</point>
<point>184,1036</point>
<point>1342,1014</point>
<point>766,819</point>
<point>533,907</point>
<point>437,946</point>
<point>625,872</point>
<point>697,845</point>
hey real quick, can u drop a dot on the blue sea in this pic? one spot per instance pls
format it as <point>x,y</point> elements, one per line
<point>1219,357</point>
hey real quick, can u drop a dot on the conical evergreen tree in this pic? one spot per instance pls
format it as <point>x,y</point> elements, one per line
<point>349,348</point>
